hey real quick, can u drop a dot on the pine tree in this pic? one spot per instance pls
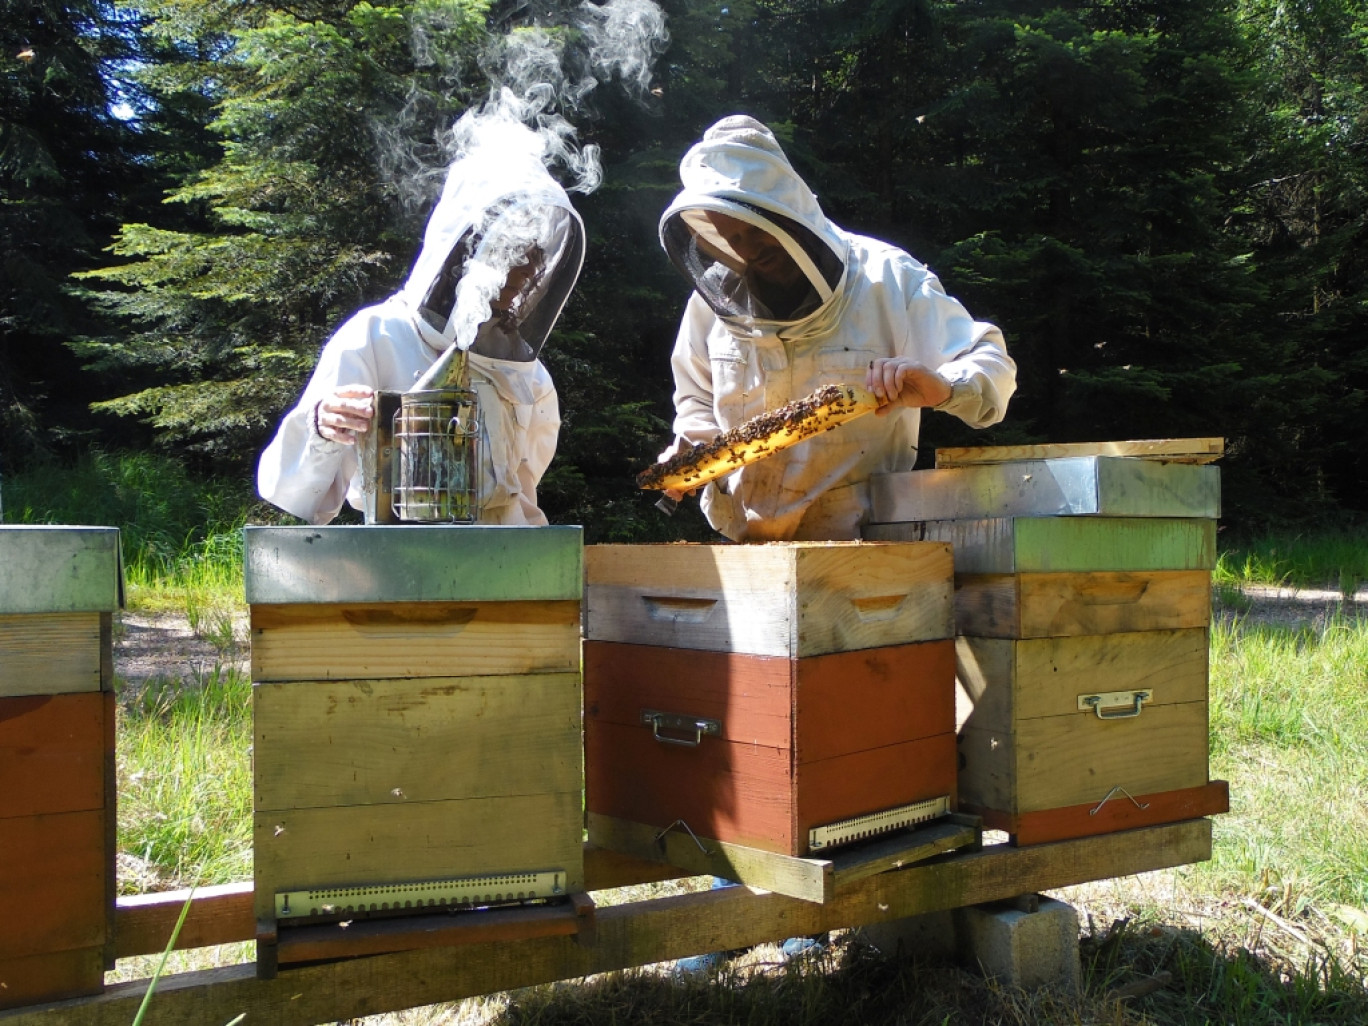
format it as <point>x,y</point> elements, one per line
<point>325,115</point>
<point>67,167</point>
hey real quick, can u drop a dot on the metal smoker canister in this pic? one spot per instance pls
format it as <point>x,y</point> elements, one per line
<point>436,439</point>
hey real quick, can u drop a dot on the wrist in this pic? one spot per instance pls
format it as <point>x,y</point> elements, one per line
<point>949,396</point>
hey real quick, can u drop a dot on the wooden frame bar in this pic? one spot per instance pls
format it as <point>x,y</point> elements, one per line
<point>633,934</point>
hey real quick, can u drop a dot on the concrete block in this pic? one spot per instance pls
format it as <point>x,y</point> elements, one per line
<point>931,935</point>
<point>1022,948</point>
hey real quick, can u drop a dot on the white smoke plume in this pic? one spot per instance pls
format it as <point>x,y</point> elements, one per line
<point>540,65</point>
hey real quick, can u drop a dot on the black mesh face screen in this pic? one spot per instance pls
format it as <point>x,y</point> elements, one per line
<point>736,288</point>
<point>504,283</point>
<point>441,295</point>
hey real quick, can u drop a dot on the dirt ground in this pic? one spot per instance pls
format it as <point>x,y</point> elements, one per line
<point>1292,608</point>
<point>148,645</point>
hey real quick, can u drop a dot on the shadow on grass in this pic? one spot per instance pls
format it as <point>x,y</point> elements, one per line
<point>1151,975</point>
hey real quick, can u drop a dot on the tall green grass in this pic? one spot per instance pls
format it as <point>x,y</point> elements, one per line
<point>1333,558</point>
<point>180,534</point>
<point>185,781</point>
<point>1289,730</point>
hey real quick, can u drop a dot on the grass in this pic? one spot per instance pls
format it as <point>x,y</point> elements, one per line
<point>185,782</point>
<point>1274,929</point>
<point>181,536</point>
<point>1336,558</point>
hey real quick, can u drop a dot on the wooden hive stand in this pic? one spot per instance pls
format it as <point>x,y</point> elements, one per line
<point>1082,604</point>
<point>58,594</point>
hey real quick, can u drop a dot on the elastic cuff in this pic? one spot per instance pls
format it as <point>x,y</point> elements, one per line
<point>956,392</point>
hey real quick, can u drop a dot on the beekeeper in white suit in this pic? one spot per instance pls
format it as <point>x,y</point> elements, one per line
<point>785,302</point>
<point>502,251</point>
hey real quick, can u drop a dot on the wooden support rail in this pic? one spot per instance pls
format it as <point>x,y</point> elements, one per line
<point>633,934</point>
<point>222,914</point>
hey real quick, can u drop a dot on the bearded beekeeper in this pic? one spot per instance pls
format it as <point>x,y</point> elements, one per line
<point>786,302</point>
<point>501,253</point>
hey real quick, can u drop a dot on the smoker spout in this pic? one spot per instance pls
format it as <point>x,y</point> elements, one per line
<point>450,371</point>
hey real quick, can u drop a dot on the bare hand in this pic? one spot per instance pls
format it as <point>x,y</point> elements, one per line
<point>674,493</point>
<point>899,381</point>
<point>345,414</point>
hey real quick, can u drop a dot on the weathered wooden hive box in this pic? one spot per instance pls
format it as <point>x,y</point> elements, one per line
<point>1083,603</point>
<point>59,588</point>
<point>416,706</point>
<point>760,695</point>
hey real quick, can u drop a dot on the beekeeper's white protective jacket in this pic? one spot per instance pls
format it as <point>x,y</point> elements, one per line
<point>867,299</point>
<point>389,346</point>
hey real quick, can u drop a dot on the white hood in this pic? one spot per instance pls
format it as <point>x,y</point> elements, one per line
<point>498,203</point>
<point>739,169</point>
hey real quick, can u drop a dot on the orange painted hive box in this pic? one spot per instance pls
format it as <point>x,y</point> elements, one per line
<point>57,806</point>
<point>780,697</point>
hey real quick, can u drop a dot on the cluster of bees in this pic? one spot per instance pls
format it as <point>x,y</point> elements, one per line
<point>772,430</point>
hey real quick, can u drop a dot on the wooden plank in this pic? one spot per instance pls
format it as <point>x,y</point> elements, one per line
<point>50,653</point>
<point>219,914</point>
<point>872,596</point>
<point>1169,450</point>
<point>749,696</point>
<point>380,844</point>
<point>903,848</point>
<point>365,742</point>
<point>1055,762</point>
<point>809,879</point>
<point>876,779</point>
<point>1040,605</point>
<point>411,933</point>
<point>52,976</point>
<point>52,753</point>
<point>604,869</point>
<point>1119,812</point>
<point>53,886</point>
<point>789,599</point>
<point>741,793</point>
<point>1011,681</point>
<point>855,701</point>
<point>421,639</point>
<point>637,933</point>
<point>1066,544</point>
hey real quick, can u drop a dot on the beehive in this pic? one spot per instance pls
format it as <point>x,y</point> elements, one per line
<point>416,706</point>
<point>58,593</point>
<point>1083,601</point>
<point>751,695</point>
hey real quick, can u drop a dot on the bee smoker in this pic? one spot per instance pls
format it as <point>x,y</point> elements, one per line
<point>420,459</point>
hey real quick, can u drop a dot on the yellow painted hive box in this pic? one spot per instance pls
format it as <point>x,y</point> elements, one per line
<point>416,707</point>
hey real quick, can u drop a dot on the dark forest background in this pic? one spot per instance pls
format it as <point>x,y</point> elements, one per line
<point>1162,203</point>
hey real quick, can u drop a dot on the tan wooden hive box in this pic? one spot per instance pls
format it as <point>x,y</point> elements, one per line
<point>416,704</point>
<point>1082,603</point>
<point>59,589</point>
<point>740,697</point>
<point>1070,736</point>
